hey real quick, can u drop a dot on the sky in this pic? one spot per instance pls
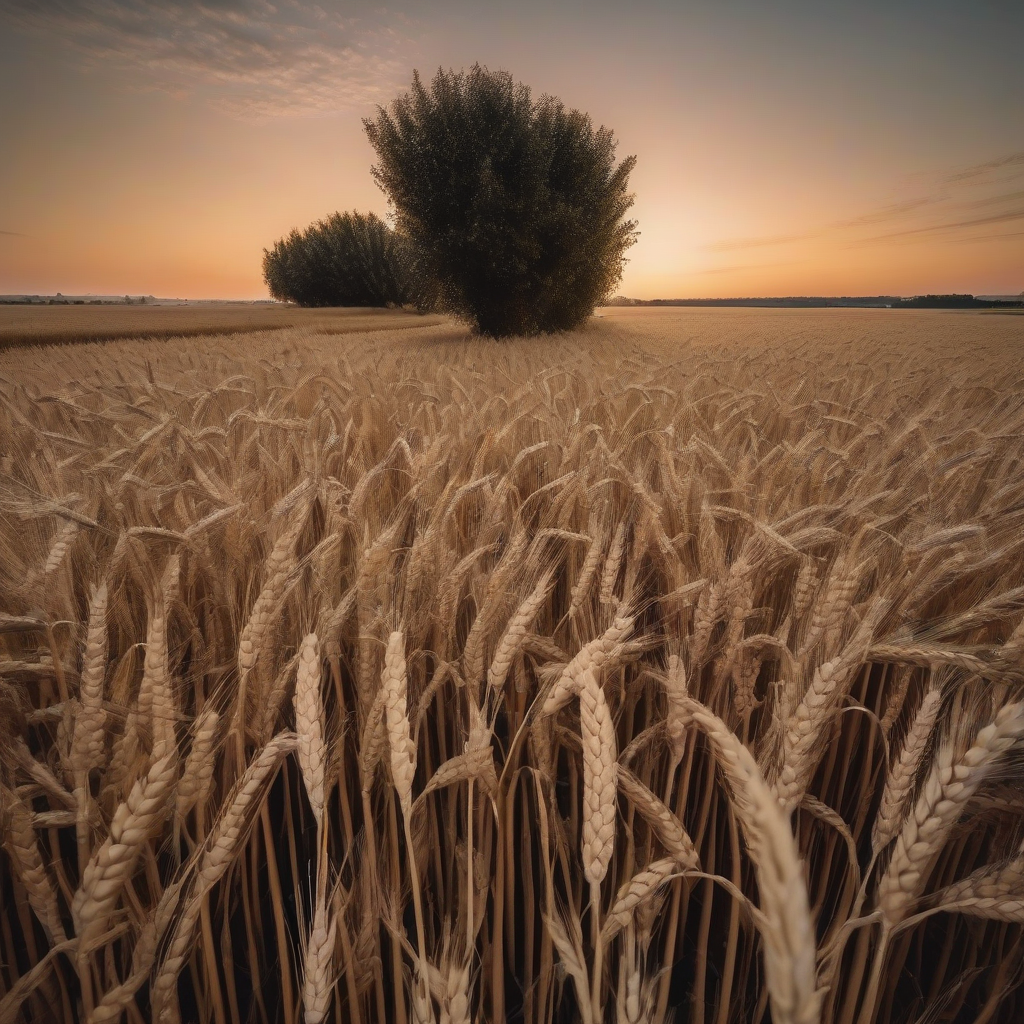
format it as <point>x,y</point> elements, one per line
<point>796,148</point>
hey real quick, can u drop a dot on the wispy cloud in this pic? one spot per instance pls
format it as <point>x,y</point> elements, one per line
<point>760,242</point>
<point>1005,217</point>
<point>255,59</point>
<point>13,234</point>
<point>738,268</point>
<point>950,204</point>
<point>1013,161</point>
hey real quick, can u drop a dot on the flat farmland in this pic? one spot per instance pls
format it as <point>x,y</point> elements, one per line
<point>70,324</point>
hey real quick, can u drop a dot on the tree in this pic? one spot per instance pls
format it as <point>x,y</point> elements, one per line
<point>347,259</point>
<point>513,207</point>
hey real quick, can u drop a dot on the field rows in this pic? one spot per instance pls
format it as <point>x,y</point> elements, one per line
<point>72,324</point>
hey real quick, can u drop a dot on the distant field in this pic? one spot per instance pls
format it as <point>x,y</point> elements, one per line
<point>34,325</point>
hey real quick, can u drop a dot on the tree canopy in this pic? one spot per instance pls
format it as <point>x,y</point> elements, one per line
<point>347,259</point>
<point>514,208</point>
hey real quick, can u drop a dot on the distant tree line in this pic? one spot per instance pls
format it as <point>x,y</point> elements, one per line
<point>823,301</point>
<point>955,302</point>
<point>509,213</point>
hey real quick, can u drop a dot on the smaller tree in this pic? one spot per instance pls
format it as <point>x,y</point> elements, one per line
<point>514,208</point>
<point>347,259</point>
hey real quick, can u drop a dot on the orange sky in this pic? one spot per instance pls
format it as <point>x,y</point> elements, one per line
<point>156,148</point>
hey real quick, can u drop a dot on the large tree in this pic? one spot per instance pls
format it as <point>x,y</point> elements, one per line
<point>514,208</point>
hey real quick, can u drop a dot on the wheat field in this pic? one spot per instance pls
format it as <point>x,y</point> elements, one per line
<point>22,325</point>
<point>671,669</point>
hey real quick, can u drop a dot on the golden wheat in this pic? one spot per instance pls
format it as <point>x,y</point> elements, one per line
<point>669,668</point>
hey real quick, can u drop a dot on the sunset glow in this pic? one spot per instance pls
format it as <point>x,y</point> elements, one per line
<point>157,148</point>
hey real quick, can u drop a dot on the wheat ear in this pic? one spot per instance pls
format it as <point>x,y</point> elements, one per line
<point>995,891</point>
<point>318,971</point>
<point>156,700</point>
<point>87,747</point>
<point>509,643</point>
<point>678,717</point>
<point>587,574</point>
<point>135,821</point>
<point>116,1000</point>
<point>20,842</point>
<point>595,655</point>
<point>309,724</point>
<point>599,779</point>
<point>666,825</point>
<point>639,888</point>
<point>279,564</point>
<point>197,774</point>
<point>218,855</point>
<point>87,744</point>
<point>899,784</point>
<point>403,771</point>
<point>393,689</point>
<point>59,548</point>
<point>807,728</point>
<point>709,606</point>
<point>612,563</point>
<point>803,592</point>
<point>949,786</point>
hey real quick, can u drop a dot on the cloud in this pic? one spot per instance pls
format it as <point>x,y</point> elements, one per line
<point>891,212</point>
<point>762,241</point>
<point>253,58</point>
<point>994,236</point>
<point>1004,217</point>
<point>944,208</point>
<point>737,268</point>
<point>13,234</point>
<point>1011,160</point>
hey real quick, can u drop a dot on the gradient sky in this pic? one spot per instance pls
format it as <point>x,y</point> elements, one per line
<point>783,148</point>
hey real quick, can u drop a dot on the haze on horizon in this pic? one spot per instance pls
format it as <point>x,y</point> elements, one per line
<point>866,148</point>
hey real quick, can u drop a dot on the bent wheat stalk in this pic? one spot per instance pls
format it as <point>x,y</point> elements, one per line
<point>788,933</point>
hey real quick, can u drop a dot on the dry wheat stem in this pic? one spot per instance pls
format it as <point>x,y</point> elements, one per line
<point>789,947</point>
<point>217,856</point>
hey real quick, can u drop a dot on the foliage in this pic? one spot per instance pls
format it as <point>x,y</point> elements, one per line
<point>514,207</point>
<point>347,259</point>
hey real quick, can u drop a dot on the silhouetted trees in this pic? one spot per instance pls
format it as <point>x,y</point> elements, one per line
<point>348,259</point>
<point>513,207</point>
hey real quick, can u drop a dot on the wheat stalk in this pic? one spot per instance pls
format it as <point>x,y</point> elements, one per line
<point>217,856</point>
<point>788,934</point>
